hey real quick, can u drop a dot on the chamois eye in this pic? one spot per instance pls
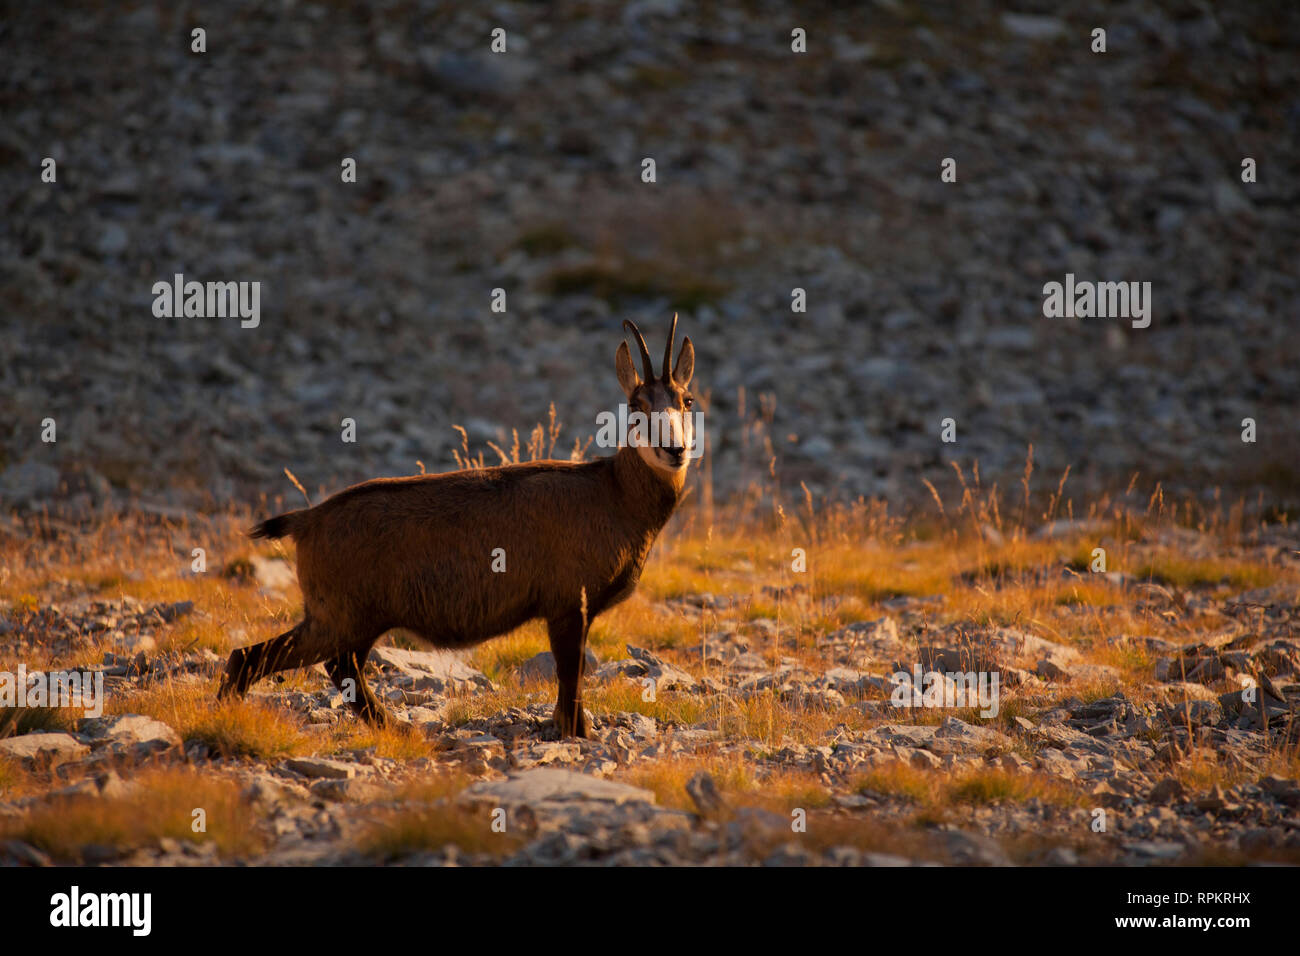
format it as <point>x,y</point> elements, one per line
<point>688,401</point>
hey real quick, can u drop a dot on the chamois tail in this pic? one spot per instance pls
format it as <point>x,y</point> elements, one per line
<point>280,526</point>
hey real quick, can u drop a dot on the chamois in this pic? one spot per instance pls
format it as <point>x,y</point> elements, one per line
<point>417,553</point>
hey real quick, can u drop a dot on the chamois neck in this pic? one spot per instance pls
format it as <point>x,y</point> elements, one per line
<point>647,491</point>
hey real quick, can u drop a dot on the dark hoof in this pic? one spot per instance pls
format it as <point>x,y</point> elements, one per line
<point>567,724</point>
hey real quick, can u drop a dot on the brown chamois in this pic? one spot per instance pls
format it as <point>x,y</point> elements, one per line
<point>417,553</point>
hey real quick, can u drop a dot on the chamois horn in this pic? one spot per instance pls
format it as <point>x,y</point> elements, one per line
<point>646,365</point>
<point>668,351</point>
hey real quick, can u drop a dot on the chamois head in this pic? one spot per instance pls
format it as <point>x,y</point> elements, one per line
<point>664,441</point>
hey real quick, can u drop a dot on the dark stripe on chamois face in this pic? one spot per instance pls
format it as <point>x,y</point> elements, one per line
<point>660,397</point>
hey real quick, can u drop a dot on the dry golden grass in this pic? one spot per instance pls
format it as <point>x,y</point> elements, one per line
<point>1202,768</point>
<point>1282,762</point>
<point>430,787</point>
<point>642,624</point>
<point>1183,572</point>
<point>740,783</point>
<point>898,779</point>
<point>431,827</point>
<point>498,659</point>
<point>763,717</point>
<point>667,778</point>
<point>994,785</point>
<point>975,548</point>
<point>391,742</point>
<point>14,781</point>
<point>622,695</point>
<point>41,658</point>
<point>931,790</point>
<point>824,830</point>
<point>237,728</point>
<point>463,708</point>
<point>30,720</point>
<point>766,718</point>
<point>423,815</point>
<point>161,803</point>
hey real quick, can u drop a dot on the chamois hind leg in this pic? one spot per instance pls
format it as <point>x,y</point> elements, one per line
<point>349,666</point>
<point>301,646</point>
<point>568,636</point>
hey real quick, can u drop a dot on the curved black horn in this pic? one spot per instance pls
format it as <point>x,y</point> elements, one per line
<point>668,351</point>
<point>646,365</point>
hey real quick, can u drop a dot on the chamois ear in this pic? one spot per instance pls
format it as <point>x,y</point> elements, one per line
<point>685,366</point>
<point>627,376</point>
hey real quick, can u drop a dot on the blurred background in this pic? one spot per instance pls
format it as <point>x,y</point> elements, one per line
<point>523,171</point>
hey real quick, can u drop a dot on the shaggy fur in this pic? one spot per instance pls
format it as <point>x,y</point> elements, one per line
<point>417,553</point>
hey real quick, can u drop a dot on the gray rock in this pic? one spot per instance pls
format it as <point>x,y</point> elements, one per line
<point>1061,856</point>
<point>133,732</point>
<point>1031,27</point>
<point>1008,643</point>
<point>976,848</point>
<point>112,241</point>
<point>274,577</point>
<point>877,638</point>
<point>134,644</point>
<point>665,675</point>
<point>266,791</point>
<point>348,789</point>
<point>552,785</point>
<point>22,854</point>
<point>643,727</point>
<point>1167,790</point>
<point>1178,692</point>
<point>789,854</point>
<point>174,611</point>
<point>480,74</point>
<point>437,671</point>
<point>1049,670</point>
<point>885,859</point>
<point>703,791</point>
<point>1194,713</point>
<point>970,735</point>
<point>547,752</point>
<point>846,680</point>
<point>44,750</point>
<point>1155,849</point>
<point>542,666</point>
<point>111,786</point>
<point>322,768</point>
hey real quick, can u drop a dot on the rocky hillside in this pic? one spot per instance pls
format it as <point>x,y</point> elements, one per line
<point>522,171</point>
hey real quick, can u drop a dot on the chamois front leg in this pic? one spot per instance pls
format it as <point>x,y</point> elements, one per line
<point>569,646</point>
<point>302,645</point>
<point>350,667</point>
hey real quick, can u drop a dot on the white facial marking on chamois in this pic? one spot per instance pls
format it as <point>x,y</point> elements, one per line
<point>659,428</point>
